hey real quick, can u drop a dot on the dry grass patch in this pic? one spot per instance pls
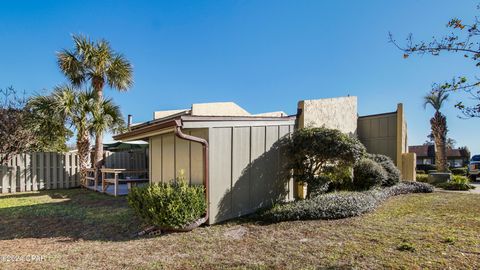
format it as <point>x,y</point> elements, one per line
<point>89,230</point>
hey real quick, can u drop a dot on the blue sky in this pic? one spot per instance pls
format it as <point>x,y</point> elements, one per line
<point>263,55</point>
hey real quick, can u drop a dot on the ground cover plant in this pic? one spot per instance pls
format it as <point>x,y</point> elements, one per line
<point>336,205</point>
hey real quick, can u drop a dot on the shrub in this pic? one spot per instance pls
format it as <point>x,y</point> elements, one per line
<point>420,172</point>
<point>393,173</point>
<point>426,167</point>
<point>422,178</point>
<point>171,205</point>
<point>458,182</point>
<point>368,174</point>
<point>455,186</point>
<point>459,171</point>
<point>337,205</point>
<point>312,150</point>
<point>460,179</point>
<point>432,171</point>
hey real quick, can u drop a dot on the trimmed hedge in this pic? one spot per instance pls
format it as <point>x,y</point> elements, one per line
<point>393,173</point>
<point>368,174</point>
<point>422,178</point>
<point>426,167</point>
<point>338,205</point>
<point>459,171</point>
<point>173,205</point>
<point>455,186</point>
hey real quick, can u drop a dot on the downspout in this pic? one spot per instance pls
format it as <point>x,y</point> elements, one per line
<point>181,135</point>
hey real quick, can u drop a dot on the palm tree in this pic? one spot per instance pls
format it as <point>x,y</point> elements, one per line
<point>80,110</point>
<point>439,127</point>
<point>97,65</point>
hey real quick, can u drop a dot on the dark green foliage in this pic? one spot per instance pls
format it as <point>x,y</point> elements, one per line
<point>426,167</point>
<point>334,178</point>
<point>171,205</point>
<point>458,182</point>
<point>393,173</point>
<point>455,186</point>
<point>368,174</point>
<point>312,150</point>
<point>338,205</point>
<point>422,178</point>
<point>459,171</point>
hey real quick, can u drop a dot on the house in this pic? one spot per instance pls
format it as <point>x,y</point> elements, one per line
<point>236,156</point>
<point>426,155</point>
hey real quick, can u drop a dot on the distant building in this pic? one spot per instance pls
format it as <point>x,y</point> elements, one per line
<point>458,157</point>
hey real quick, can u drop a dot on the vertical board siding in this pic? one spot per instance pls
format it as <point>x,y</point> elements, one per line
<point>182,158</point>
<point>168,164</point>
<point>220,172</point>
<point>39,171</point>
<point>170,154</point>
<point>246,170</point>
<point>240,161</point>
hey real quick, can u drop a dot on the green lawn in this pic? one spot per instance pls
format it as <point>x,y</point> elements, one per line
<point>83,229</point>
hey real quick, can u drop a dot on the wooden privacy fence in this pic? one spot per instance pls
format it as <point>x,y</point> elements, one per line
<point>131,160</point>
<point>39,171</point>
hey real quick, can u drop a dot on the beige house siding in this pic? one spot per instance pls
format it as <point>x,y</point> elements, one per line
<point>379,134</point>
<point>169,155</point>
<point>245,168</point>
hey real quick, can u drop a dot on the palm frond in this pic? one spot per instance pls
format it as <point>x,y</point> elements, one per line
<point>71,67</point>
<point>120,73</point>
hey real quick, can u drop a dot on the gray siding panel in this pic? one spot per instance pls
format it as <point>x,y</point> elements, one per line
<point>245,166</point>
<point>240,173</point>
<point>220,173</point>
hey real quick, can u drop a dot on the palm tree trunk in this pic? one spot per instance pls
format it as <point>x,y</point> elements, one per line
<point>98,86</point>
<point>83,146</point>
<point>439,132</point>
<point>98,150</point>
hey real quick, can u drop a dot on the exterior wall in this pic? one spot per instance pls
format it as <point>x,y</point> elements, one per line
<point>338,113</point>
<point>386,134</point>
<point>379,134</point>
<point>169,155</point>
<point>245,170</point>
<point>218,109</point>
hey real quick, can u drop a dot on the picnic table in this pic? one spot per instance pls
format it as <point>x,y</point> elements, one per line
<point>116,180</point>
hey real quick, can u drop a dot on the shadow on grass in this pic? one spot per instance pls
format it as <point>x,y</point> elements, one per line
<point>73,213</point>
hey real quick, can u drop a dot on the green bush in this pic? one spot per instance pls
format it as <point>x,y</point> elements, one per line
<point>368,174</point>
<point>459,171</point>
<point>420,172</point>
<point>422,178</point>
<point>171,205</point>
<point>312,150</point>
<point>459,179</point>
<point>431,171</point>
<point>426,167</point>
<point>337,205</point>
<point>393,173</point>
<point>458,182</point>
<point>455,186</point>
